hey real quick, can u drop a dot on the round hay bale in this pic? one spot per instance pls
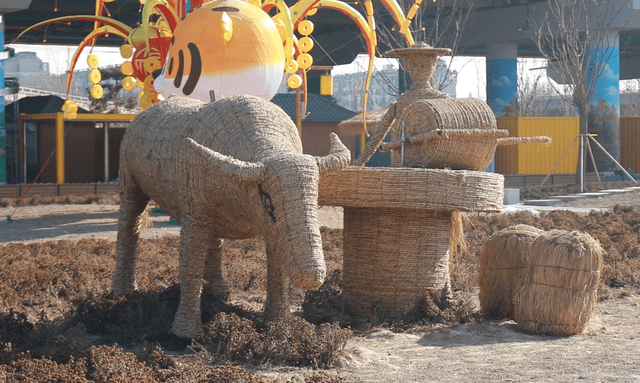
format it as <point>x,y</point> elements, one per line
<point>560,286</point>
<point>503,260</point>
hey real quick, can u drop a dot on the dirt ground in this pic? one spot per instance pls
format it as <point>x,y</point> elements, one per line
<point>480,350</point>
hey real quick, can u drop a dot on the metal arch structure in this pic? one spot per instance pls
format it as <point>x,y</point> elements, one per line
<point>338,38</point>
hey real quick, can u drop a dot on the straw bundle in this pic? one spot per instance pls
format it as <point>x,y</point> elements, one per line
<point>383,127</point>
<point>354,125</point>
<point>472,122</point>
<point>411,188</point>
<point>503,260</point>
<point>560,286</point>
<point>388,261</point>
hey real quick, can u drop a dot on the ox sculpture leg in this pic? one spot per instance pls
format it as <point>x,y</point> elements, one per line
<point>277,303</point>
<point>215,283</point>
<point>130,221</point>
<point>193,247</point>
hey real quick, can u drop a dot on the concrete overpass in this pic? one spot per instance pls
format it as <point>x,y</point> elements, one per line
<point>500,30</point>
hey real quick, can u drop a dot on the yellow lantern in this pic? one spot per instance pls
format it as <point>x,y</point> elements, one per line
<point>92,61</point>
<point>126,51</point>
<point>305,60</point>
<point>70,110</point>
<point>294,81</point>
<point>151,64</point>
<point>95,76</point>
<point>305,27</point>
<point>305,44</point>
<point>96,91</point>
<point>326,85</point>
<point>129,83</point>
<point>291,66</point>
<point>126,68</point>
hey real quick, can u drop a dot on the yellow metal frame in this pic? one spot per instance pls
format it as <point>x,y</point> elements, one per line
<point>59,129</point>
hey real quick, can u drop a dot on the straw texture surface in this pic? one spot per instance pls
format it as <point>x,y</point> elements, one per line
<point>393,257</point>
<point>559,292</point>
<point>503,261</point>
<point>420,61</point>
<point>411,188</point>
<point>470,149</point>
<point>353,125</point>
<point>376,138</point>
<point>525,140</point>
<point>229,169</point>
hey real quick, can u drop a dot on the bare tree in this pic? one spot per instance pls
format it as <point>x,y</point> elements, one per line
<point>536,96</point>
<point>631,94</point>
<point>575,38</point>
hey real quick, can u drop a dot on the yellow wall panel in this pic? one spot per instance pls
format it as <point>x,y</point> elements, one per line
<point>539,158</point>
<point>507,156</point>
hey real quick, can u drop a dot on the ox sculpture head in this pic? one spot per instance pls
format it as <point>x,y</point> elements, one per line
<point>287,187</point>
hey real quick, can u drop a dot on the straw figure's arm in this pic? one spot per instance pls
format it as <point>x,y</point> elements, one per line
<point>376,138</point>
<point>229,169</point>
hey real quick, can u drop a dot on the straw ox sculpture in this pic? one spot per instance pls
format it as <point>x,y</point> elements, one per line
<point>229,169</point>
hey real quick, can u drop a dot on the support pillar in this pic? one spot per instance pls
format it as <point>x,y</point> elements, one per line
<point>3,131</point>
<point>59,148</point>
<point>502,81</point>
<point>502,78</point>
<point>604,109</point>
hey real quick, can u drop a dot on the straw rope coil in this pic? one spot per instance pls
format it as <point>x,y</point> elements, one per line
<point>388,262</point>
<point>503,260</point>
<point>559,292</point>
<point>412,188</point>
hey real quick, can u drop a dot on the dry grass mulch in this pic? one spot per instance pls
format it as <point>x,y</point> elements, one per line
<point>58,321</point>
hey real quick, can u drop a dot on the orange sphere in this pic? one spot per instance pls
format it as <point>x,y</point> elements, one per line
<point>228,46</point>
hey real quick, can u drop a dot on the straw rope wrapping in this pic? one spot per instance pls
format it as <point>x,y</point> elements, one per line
<point>559,292</point>
<point>472,149</point>
<point>229,169</point>
<point>503,260</point>
<point>411,188</point>
<point>388,261</point>
<point>383,127</point>
<point>399,228</point>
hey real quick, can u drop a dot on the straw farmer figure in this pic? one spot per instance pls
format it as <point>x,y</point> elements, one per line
<point>230,169</point>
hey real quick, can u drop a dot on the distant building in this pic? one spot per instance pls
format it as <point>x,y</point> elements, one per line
<point>25,65</point>
<point>384,89</point>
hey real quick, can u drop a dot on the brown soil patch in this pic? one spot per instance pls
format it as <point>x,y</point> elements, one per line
<point>58,321</point>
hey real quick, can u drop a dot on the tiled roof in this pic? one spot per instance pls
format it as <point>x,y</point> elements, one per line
<point>319,108</point>
<point>38,105</point>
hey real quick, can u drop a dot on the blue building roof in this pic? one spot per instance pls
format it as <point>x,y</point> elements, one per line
<point>319,108</point>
